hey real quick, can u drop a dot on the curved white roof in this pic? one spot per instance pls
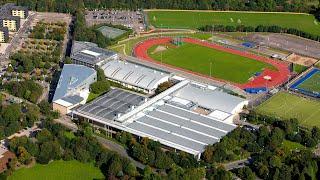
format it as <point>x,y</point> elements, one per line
<point>211,99</point>
<point>134,74</point>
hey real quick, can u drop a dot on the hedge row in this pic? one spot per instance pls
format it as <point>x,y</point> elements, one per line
<point>259,28</point>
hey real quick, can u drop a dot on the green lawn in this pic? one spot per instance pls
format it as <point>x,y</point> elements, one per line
<point>312,83</point>
<point>286,106</point>
<point>299,68</point>
<point>197,58</point>
<point>192,19</point>
<point>289,146</point>
<point>62,170</point>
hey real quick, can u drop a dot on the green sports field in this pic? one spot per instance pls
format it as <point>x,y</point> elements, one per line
<point>198,58</point>
<point>312,83</point>
<point>195,19</point>
<point>62,170</point>
<point>286,106</point>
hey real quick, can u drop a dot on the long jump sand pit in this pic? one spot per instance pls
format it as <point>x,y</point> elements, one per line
<point>301,60</point>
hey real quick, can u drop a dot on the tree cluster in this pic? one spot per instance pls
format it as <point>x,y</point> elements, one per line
<point>28,90</point>
<point>52,144</point>
<point>309,137</point>
<point>149,152</point>
<point>260,28</point>
<point>12,119</point>
<point>52,31</point>
<point>270,159</point>
<point>253,5</point>
<point>26,63</point>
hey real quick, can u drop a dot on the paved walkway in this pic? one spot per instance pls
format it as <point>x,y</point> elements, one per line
<point>113,146</point>
<point>236,164</point>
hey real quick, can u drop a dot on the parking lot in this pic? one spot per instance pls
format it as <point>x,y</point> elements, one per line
<point>288,43</point>
<point>130,19</point>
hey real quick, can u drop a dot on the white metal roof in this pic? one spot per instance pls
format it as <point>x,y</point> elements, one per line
<point>211,99</point>
<point>134,74</point>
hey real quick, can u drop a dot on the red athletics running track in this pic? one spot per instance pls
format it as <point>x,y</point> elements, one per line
<point>277,77</point>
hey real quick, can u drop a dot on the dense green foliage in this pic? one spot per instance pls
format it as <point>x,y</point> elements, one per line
<point>12,119</point>
<point>28,90</point>
<point>258,5</point>
<point>26,63</point>
<point>284,105</point>
<point>53,31</point>
<point>260,28</point>
<point>198,59</point>
<point>100,87</point>
<point>268,156</point>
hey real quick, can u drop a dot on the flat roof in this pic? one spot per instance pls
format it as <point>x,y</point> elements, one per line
<point>184,128</point>
<point>208,98</point>
<point>112,104</point>
<point>134,74</point>
<point>90,52</point>
<point>71,77</point>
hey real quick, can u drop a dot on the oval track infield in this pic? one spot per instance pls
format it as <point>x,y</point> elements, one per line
<point>278,71</point>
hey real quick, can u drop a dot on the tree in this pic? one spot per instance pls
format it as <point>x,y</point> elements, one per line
<point>275,162</point>
<point>147,172</point>
<point>23,155</point>
<point>11,113</point>
<point>115,168</point>
<point>45,107</point>
<point>100,87</point>
<point>131,170</point>
<point>68,60</point>
<point>48,151</point>
<point>246,173</point>
<point>100,75</point>
<point>44,136</point>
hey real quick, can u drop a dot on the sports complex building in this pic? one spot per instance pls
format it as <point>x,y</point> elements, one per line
<point>187,117</point>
